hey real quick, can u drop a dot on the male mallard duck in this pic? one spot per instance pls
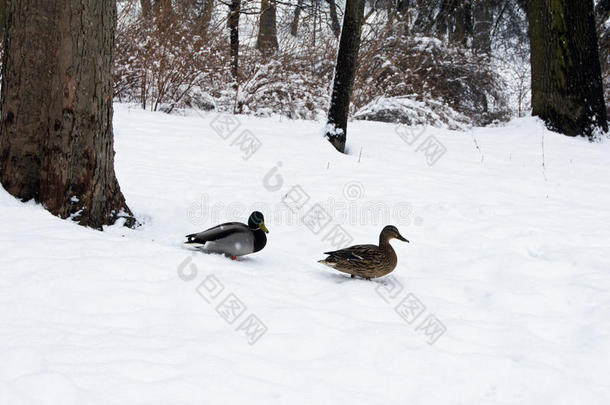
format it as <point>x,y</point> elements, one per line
<point>367,261</point>
<point>233,238</point>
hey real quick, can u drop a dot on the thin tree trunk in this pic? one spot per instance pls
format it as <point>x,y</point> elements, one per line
<point>483,21</point>
<point>146,7</point>
<point>424,19</point>
<point>334,20</point>
<point>462,28</point>
<point>567,90</point>
<point>345,72</point>
<point>315,20</point>
<point>294,25</point>
<point>163,6</point>
<point>267,30</point>
<point>446,10</point>
<point>186,6</point>
<point>206,16</point>
<point>56,141</point>
<point>233,21</point>
<point>398,18</point>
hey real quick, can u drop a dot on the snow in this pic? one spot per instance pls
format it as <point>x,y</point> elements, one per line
<point>509,255</point>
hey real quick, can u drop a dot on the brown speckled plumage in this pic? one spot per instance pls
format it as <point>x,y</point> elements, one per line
<point>367,261</point>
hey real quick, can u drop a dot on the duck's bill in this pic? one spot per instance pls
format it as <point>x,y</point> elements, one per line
<point>400,237</point>
<point>263,227</point>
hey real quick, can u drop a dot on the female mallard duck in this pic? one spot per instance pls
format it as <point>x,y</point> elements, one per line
<point>233,238</point>
<point>367,261</point>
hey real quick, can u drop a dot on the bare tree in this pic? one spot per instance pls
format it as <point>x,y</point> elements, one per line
<point>233,22</point>
<point>146,7</point>
<point>206,16</point>
<point>334,20</point>
<point>345,72</point>
<point>483,22</point>
<point>56,140</point>
<point>462,22</point>
<point>267,30</point>
<point>294,25</point>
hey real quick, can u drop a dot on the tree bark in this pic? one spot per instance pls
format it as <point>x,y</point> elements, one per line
<point>294,25</point>
<point>206,16</point>
<point>3,6</point>
<point>186,7</point>
<point>334,20</point>
<point>398,15</point>
<point>233,21</point>
<point>56,140</point>
<point>602,12</point>
<point>164,11</point>
<point>345,72</point>
<point>567,90</point>
<point>267,31</point>
<point>146,7</point>
<point>425,16</point>
<point>483,21</point>
<point>462,28</point>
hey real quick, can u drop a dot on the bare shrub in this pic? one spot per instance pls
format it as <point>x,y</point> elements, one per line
<point>166,61</point>
<point>429,69</point>
<point>294,82</point>
<point>162,60</point>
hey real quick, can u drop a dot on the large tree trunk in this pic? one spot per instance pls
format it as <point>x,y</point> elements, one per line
<point>56,141</point>
<point>2,18</point>
<point>233,22</point>
<point>345,72</point>
<point>566,76</point>
<point>267,30</point>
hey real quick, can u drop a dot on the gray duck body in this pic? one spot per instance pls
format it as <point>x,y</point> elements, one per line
<point>232,238</point>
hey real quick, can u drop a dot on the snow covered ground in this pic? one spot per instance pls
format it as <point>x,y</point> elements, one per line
<point>502,296</point>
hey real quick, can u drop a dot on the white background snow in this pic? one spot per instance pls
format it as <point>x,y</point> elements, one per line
<point>512,257</point>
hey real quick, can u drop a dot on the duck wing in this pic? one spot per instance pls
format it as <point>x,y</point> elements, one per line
<point>367,261</point>
<point>353,254</point>
<point>217,232</point>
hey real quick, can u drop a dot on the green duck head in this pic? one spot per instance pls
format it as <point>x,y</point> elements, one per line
<point>257,221</point>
